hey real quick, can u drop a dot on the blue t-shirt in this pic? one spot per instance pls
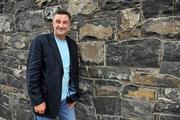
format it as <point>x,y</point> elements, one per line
<point>64,53</point>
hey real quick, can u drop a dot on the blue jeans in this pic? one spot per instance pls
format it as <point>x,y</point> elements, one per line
<point>65,113</point>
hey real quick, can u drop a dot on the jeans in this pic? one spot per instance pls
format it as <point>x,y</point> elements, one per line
<point>65,113</point>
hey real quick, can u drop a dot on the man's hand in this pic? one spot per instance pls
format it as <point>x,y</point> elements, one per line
<point>40,108</point>
<point>71,105</point>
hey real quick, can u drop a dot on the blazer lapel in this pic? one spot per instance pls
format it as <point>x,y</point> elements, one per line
<point>55,49</point>
<point>70,50</point>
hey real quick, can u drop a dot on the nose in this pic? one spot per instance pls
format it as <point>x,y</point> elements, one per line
<point>60,25</point>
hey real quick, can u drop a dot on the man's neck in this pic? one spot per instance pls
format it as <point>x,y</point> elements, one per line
<point>60,37</point>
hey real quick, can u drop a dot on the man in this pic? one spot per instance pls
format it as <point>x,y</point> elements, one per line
<point>52,71</point>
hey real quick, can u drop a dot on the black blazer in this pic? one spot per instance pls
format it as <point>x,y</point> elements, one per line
<point>45,71</point>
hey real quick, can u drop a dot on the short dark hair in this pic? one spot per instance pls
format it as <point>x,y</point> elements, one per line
<point>62,12</point>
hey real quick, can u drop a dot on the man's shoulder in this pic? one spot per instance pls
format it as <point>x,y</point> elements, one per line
<point>45,35</point>
<point>41,37</point>
<point>71,40</point>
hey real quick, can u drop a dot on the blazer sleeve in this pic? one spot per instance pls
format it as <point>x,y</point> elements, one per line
<point>74,86</point>
<point>33,72</point>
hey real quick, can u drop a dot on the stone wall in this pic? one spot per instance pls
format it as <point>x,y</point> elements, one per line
<point>129,56</point>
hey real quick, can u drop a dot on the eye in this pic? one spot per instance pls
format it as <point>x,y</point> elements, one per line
<point>65,22</point>
<point>58,21</point>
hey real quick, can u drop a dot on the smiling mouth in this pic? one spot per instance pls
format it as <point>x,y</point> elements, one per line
<point>60,29</point>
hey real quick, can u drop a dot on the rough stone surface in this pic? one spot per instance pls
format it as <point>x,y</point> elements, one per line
<point>106,117</point>
<point>166,117</point>
<point>146,78</point>
<point>87,86</point>
<point>4,112</point>
<point>117,4</point>
<point>49,11</point>
<point>29,21</point>
<point>107,88</point>
<point>167,107</point>
<point>134,53</point>
<point>169,95</point>
<point>20,6</point>
<point>164,25</point>
<point>84,71</point>
<point>128,18</point>
<point>171,52</point>
<point>171,68</point>
<point>139,93</point>
<point>138,110</point>
<point>81,6</point>
<point>160,8</point>
<point>109,105</point>
<point>19,42</point>
<point>122,74</point>
<point>1,42</point>
<point>92,52</point>
<point>85,112</point>
<point>129,33</point>
<point>7,23</point>
<point>98,31</point>
<point>1,7</point>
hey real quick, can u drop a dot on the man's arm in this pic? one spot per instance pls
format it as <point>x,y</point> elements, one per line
<point>33,73</point>
<point>74,81</point>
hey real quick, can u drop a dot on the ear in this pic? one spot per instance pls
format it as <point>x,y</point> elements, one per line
<point>52,23</point>
<point>69,26</point>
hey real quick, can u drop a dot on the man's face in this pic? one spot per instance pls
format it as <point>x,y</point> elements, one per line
<point>61,25</point>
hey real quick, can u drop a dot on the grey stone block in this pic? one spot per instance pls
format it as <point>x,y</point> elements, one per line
<point>134,53</point>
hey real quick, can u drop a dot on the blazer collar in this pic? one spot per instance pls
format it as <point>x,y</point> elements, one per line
<point>55,49</point>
